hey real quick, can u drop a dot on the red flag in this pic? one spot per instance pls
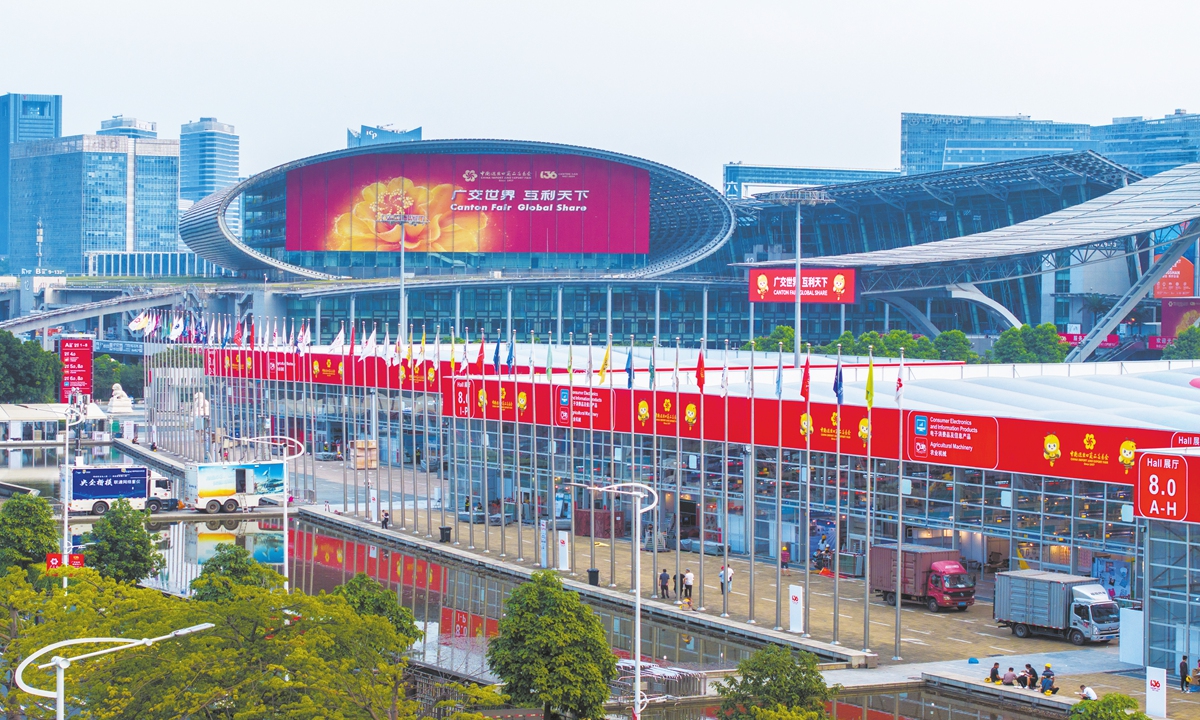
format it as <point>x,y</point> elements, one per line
<point>250,335</point>
<point>700,371</point>
<point>351,340</point>
<point>804,381</point>
<point>479,360</point>
<point>237,333</point>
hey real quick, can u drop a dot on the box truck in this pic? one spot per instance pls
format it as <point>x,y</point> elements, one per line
<point>1035,602</point>
<point>932,577</point>
<point>95,488</point>
<point>226,487</point>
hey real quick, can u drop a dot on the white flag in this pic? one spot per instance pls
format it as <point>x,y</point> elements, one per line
<point>368,348</point>
<point>338,346</point>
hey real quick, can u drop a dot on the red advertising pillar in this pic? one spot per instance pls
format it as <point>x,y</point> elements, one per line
<point>76,356</point>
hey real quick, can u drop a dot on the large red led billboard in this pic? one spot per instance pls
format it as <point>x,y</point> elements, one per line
<point>818,285</point>
<point>469,203</point>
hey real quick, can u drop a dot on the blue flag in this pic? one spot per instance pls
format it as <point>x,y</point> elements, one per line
<point>837,382</point>
<point>496,355</point>
<point>629,368</point>
<point>508,364</point>
<point>779,378</point>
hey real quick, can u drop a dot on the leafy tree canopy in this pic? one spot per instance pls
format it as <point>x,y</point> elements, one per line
<point>954,345</point>
<point>1113,706</point>
<point>368,597</point>
<point>270,654</point>
<point>787,685</point>
<point>470,699</point>
<point>27,532</point>
<point>552,651</point>
<point>785,334</point>
<point>1185,347</point>
<point>1030,344</point>
<point>121,547</point>
<point>229,568</point>
<point>28,374</point>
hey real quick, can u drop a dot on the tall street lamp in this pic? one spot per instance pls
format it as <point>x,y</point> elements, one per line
<point>60,664</point>
<point>74,415</point>
<point>638,492</point>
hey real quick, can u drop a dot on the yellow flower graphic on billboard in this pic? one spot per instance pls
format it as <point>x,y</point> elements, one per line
<point>400,211</point>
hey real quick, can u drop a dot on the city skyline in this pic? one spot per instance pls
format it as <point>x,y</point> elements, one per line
<point>706,92</point>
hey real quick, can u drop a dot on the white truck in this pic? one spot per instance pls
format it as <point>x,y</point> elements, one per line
<point>226,487</point>
<point>94,489</point>
<point>1035,602</point>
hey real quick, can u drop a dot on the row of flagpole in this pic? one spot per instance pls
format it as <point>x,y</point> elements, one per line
<point>161,329</point>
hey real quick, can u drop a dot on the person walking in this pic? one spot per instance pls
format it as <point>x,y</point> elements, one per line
<point>785,557</point>
<point>688,579</point>
<point>663,590</point>
<point>729,579</point>
<point>1183,674</point>
<point>721,579</point>
<point>385,521</point>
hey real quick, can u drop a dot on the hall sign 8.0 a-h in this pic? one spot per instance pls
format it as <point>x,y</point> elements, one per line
<point>1162,488</point>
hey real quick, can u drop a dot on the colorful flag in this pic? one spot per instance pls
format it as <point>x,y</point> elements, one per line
<point>700,370</point>
<point>804,381</point>
<point>237,334</point>
<point>510,361</point>
<point>479,360</point>
<point>870,380</point>
<point>900,381</point>
<point>837,381</point>
<point>629,366</point>
<point>779,378</point>
<point>549,363</point>
<point>140,322</point>
<point>653,375</point>
<point>453,365</point>
<point>338,346</point>
<point>496,354</point>
<point>604,362</point>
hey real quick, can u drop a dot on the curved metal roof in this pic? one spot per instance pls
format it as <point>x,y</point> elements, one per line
<point>1157,202</point>
<point>689,219</point>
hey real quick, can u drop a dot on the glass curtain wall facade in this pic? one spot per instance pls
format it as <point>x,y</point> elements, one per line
<point>23,118</point>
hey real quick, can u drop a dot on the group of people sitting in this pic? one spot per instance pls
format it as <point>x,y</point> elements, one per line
<point>1027,678</point>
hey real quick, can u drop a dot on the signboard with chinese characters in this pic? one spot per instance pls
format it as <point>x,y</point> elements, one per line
<point>1179,281</point>
<point>818,285</point>
<point>952,439</point>
<point>76,356</point>
<point>469,203</point>
<point>1161,491</point>
<point>1073,339</point>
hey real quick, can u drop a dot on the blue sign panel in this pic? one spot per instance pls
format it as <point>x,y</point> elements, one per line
<point>95,483</point>
<point>920,424</point>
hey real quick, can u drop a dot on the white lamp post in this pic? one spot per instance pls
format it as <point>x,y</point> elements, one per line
<point>637,491</point>
<point>60,664</point>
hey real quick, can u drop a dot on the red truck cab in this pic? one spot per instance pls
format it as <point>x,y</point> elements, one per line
<point>950,586</point>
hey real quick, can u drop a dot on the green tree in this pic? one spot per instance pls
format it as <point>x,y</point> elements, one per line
<point>1113,706</point>
<point>133,380</point>
<point>1010,348</point>
<point>552,650</point>
<point>780,712</point>
<point>785,334</point>
<point>229,568</point>
<point>121,547</point>
<point>778,680</point>
<point>105,372</point>
<point>954,345</point>
<point>1045,343</point>
<point>27,532</point>
<point>368,597</point>
<point>1185,347</point>
<point>28,373</point>
<point>470,699</point>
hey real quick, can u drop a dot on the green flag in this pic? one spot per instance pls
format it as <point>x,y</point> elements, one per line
<point>549,363</point>
<point>653,352</point>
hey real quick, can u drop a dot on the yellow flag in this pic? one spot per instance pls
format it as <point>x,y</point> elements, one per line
<point>870,382</point>
<point>604,363</point>
<point>452,344</point>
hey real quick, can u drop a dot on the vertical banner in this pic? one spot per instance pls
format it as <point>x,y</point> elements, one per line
<point>1156,692</point>
<point>76,357</point>
<point>796,609</point>
<point>564,559</point>
<point>545,550</point>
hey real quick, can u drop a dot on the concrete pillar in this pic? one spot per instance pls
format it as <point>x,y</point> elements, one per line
<point>317,328</point>
<point>458,312</point>
<point>929,308</point>
<point>887,317</point>
<point>842,320</point>
<point>657,311</point>
<point>608,312</point>
<point>704,319</point>
<point>350,324</point>
<point>560,294</point>
<point>508,330</point>
<point>750,337</point>
<point>99,324</point>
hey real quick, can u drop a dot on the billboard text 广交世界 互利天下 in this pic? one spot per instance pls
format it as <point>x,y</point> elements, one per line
<point>818,285</point>
<point>469,203</point>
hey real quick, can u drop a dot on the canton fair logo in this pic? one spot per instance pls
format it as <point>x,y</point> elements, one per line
<point>548,175</point>
<point>1089,441</point>
<point>470,176</point>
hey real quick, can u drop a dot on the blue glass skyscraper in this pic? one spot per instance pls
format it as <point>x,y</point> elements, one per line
<point>209,159</point>
<point>129,127</point>
<point>92,193</point>
<point>23,118</point>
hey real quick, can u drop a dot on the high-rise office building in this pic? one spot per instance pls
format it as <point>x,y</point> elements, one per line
<point>92,193</point>
<point>129,127</point>
<point>930,143</point>
<point>369,135</point>
<point>209,152</point>
<point>23,118</point>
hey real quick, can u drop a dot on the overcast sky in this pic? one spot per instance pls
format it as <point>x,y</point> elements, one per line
<point>690,84</point>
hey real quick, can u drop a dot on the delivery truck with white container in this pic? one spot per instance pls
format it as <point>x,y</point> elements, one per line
<point>226,487</point>
<point>1036,602</point>
<point>95,488</point>
<point>932,576</point>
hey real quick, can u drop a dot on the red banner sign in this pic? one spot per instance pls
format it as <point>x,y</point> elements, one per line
<point>54,560</point>
<point>1161,491</point>
<point>953,439</point>
<point>1073,339</point>
<point>76,356</point>
<point>1179,281</point>
<point>818,285</point>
